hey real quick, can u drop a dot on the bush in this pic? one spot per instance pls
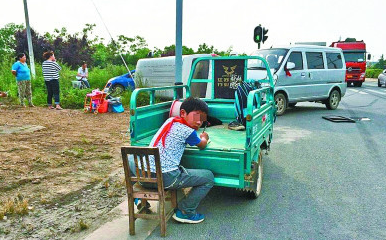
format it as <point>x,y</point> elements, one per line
<point>373,73</point>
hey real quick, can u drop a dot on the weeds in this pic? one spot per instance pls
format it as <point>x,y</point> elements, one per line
<point>80,226</point>
<point>85,140</point>
<point>105,156</point>
<point>15,206</point>
<point>74,152</point>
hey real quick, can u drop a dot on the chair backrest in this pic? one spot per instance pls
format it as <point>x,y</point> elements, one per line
<point>142,172</point>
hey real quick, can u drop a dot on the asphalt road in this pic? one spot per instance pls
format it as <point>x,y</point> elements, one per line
<point>322,180</point>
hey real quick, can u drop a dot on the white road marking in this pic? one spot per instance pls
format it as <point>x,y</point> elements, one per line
<point>375,91</point>
<point>357,91</point>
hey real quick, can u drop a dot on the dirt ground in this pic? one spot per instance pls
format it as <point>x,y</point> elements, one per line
<point>60,171</point>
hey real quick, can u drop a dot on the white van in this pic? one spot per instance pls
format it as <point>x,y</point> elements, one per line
<point>160,72</point>
<point>305,73</point>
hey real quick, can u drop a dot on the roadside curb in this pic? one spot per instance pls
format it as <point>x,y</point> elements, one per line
<point>118,228</point>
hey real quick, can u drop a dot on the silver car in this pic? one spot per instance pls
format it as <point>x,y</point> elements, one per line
<point>305,73</point>
<point>382,79</point>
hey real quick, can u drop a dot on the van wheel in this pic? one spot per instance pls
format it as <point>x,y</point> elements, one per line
<point>379,83</point>
<point>292,104</point>
<point>281,103</point>
<point>333,100</point>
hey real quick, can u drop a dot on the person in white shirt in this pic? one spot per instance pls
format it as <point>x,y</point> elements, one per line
<point>83,74</point>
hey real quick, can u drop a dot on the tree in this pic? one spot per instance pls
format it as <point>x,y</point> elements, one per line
<point>70,49</point>
<point>171,51</point>
<point>39,44</point>
<point>381,64</point>
<point>8,40</point>
<point>203,48</point>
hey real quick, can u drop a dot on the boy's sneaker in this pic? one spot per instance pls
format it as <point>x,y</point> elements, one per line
<point>185,218</point>
<point>235,125</point>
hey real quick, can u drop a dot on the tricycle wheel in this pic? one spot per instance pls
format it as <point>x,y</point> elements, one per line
<point>257,173</point>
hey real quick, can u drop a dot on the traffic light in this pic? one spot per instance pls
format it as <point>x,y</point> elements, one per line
<point>264,37</point>
<point>258,34</point>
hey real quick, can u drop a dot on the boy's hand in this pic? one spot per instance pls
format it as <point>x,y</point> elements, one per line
<point>204,140</point>
<point>204,135</point>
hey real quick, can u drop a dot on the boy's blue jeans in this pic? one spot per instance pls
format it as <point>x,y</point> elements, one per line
<point>201,180</point>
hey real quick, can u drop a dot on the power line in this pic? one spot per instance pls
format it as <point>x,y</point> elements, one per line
<point>112,39</point>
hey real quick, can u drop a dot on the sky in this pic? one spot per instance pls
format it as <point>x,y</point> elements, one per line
<point>221,23</point>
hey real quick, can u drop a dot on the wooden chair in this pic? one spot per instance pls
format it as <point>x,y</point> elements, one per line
<point>135,190</point>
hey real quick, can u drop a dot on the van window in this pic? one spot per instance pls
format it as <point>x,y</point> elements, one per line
<point>334,61</point>
<point>315,60</point>
<point>273,56</point>
<point>297,58</point>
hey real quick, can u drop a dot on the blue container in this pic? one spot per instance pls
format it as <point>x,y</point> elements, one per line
<point>118,108</point>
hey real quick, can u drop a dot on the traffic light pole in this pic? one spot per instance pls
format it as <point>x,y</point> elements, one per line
<point>29,40</point>
<point>178,51</point>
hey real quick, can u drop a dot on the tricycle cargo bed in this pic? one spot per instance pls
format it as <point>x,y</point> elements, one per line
<point>234,157</point>
<point>221,139</point>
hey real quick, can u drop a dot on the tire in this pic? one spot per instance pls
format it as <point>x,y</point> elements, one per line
<point>292,104</point>
<point>257,173</point>
<point>348,84</point>
<point>379,83</point>
<point>117,90</point>
<point>281,104</point>
<point>333,100</point>
<point>357,84</point>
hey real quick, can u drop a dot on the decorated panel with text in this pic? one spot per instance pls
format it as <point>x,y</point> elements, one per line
<point>227,76</point>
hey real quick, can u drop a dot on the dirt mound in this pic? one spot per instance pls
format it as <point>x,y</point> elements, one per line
<point>50,161</point>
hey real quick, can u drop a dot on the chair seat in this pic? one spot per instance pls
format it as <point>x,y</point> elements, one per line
<point>148,193</point>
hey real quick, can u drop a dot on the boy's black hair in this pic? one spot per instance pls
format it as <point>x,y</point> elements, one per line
<point>194,104</point>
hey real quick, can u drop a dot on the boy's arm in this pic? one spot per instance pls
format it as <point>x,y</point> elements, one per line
<point>204,140</point>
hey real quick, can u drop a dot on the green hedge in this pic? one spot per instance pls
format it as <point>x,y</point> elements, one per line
<point>373,73</point>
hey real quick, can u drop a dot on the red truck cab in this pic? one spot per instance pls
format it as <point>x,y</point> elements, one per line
<point>355,56</point>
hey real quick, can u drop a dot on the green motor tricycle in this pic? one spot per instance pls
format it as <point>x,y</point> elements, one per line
<point>234,157</point>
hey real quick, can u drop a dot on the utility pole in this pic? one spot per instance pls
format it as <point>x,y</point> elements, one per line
<point>178,57</point>
<point>29,40</point>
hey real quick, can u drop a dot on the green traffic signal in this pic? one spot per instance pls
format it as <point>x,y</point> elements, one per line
<point>258,34</point>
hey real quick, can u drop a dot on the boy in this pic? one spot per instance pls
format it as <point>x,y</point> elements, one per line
<point>171,139</point>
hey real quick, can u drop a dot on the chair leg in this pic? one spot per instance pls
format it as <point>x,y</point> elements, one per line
<point>174,199</point>
<point>131,215</point>
<point>162,216</point>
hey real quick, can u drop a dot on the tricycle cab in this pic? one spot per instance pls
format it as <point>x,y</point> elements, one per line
<point>234,157</point>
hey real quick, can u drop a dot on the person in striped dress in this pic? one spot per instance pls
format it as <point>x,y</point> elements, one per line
<point>51,78</point>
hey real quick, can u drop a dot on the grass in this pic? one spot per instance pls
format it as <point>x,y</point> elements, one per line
<point>14,206</point>
<point>80,226</point>
<point>69,97</point>
<point>105,156</point>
